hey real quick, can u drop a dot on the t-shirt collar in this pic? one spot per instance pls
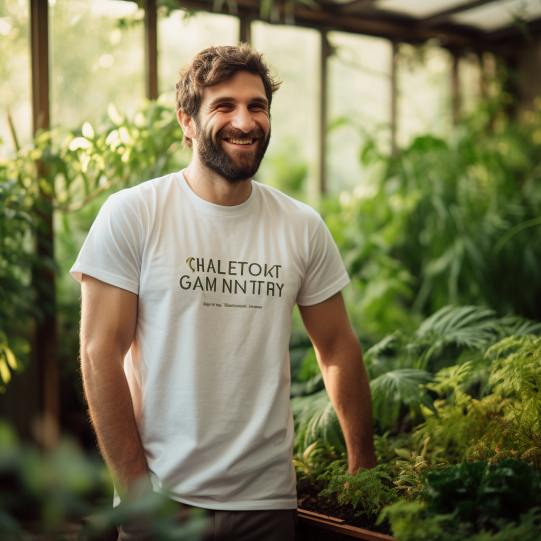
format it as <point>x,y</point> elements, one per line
<point>211,208</point>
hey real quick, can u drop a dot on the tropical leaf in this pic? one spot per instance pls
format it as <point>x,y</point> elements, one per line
<point>316,420</point>
<point>467,326</point>
<point>393,389</point>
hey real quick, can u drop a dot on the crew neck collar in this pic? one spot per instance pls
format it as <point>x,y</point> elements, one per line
<point>212,208</point>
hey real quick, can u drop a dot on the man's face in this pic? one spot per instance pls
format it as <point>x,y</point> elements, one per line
<point>233,127</point>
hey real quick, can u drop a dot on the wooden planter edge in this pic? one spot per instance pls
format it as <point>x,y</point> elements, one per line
<point>321,521</point>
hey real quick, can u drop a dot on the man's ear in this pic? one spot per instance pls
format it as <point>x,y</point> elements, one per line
<point>186,123</point>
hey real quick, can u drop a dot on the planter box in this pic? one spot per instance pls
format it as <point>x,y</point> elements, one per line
<point>314,527</point>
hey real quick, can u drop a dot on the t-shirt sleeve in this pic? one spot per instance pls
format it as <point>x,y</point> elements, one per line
<point>112,250</point>
<point>325,273</point>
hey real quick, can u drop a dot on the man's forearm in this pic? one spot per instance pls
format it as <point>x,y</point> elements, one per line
<point>346,382</point>
<point>111,411</point>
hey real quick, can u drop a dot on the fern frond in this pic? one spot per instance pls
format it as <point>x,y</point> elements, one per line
<point>316,420</point>
<point>470,326</point>
<point>403,386</point>
<point>452,378</point>
<point>466,326</point>
<point>389,342</point>
<point>518,326</point>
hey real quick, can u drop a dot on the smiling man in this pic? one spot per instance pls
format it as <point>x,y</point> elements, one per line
<point>188,286</point>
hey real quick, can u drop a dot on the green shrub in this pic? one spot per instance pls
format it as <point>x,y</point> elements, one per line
<point>48,489</point>
<point>504,423</point>
<point>474,501</point>
<point>484,495</point>
<point>452,221</point>
<point>365,489</point>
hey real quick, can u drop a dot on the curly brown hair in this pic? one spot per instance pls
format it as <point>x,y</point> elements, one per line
<point>212,66</point>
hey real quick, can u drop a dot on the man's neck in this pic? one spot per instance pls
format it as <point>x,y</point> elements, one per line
<point>213,188</point>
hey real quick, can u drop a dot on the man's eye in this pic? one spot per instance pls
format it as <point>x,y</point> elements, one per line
<point>225,106</point>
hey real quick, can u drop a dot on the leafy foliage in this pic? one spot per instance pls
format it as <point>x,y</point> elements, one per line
<point>473,501</point>
<point>312,463</point>
<point>445,222</point>
<point>396,388</point>
<point>364,489</point>
<point>18,224</point>
<point>502,424</point>
<point>48,489</point>
<point>316,420</point>
<point>402,388</point>
<point>75,169</point>
<point>486,496</point>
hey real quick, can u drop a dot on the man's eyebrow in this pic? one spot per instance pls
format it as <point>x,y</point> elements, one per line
<point>217,101</point>
<point>221,100</point>
<point>264,101</point>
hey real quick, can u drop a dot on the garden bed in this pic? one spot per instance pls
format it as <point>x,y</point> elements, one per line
<point>322,520</point>
<point>315,527</point>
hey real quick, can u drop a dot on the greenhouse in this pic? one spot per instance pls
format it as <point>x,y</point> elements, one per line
<point>397,211</point>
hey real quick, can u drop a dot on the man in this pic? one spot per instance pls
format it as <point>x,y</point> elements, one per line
<point>188,286</point>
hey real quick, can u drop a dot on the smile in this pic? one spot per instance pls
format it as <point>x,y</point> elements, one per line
<point>240,141</point>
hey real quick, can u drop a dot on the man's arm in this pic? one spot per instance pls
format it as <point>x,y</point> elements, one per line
<point>108,320</point>
<point>339,356</point>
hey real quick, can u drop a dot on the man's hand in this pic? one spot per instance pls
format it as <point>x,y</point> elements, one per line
<point>339,356</point>
<point>108,321</point>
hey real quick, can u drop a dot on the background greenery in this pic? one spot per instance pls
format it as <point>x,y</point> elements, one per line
<point>441,242</point>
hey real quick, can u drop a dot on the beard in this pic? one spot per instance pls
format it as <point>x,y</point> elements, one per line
<point>216,158</point>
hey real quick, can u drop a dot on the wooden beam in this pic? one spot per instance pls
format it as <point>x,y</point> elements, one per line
<point>370,23</point>
<point>514,35</point>
<point>245,33</point>
<point>325,53</point>
<point>394,98</point>
<point>443,16</point>
<point>40,64</point>
<point>151,49</point>
<point>455,88</point>
<point>353,7</point>
<point>43,280</point>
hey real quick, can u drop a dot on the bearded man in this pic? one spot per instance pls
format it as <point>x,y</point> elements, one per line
<point>188,286</point>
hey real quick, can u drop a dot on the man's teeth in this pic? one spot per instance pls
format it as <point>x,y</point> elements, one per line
<point>241,141</point>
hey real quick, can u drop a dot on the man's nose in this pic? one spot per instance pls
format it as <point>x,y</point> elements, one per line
<point>243,120</point>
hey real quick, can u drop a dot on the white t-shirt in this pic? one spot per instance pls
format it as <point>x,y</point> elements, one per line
<point>208,369</point>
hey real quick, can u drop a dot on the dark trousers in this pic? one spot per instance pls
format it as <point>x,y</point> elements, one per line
<point>270,525</point>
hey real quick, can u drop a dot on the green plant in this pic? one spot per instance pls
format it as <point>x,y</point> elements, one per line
<point>312,463</point>
<point>452,221</point>
<point>66,484</point>
<point>504,423</point>
<point>409,476</point>
<point>365,489</point>
<point>484,495</point>
<point>474,501</point>
<point>411,522</point>
<point>77,168</point>
<point>402,387</point>
<point>18,223</point>
<point>316,420</point>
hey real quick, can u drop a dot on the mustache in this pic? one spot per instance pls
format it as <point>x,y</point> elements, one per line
<point>256,133</point>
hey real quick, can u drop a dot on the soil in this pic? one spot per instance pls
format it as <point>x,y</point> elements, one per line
<point>345,512</point>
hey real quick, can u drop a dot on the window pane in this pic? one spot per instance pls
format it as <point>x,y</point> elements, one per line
<point>94,60</point>
<point>469,78</point>
<point>292,158</point>
<point>424,92</point>
<point>15,74</point>
<point>359,92</point>
<point>182,36</point>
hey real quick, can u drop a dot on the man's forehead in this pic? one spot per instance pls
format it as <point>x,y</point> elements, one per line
<point>242,86</point>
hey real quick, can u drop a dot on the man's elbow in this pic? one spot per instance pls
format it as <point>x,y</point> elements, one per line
<point>345,349</point>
